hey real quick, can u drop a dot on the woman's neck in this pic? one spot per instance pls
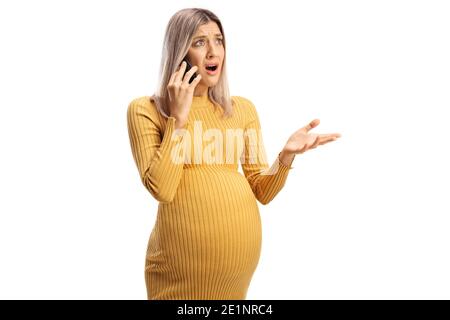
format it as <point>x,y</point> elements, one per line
<point>200,90</point>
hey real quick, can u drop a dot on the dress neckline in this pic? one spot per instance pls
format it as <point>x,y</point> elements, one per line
<point>200,101</point>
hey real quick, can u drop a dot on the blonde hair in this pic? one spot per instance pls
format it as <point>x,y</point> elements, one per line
<point>177,40</point>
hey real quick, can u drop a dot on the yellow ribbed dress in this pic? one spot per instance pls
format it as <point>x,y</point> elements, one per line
<point>206,240</point>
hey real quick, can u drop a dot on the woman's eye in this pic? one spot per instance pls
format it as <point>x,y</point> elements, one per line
<point>201,41</point>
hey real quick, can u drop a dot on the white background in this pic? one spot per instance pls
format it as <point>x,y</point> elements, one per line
<point>365,217</point>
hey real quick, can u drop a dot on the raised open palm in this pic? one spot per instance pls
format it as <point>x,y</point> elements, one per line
<point>301,140</point>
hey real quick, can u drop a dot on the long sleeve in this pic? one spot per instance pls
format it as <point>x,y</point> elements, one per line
<point>153,155</point>
<point>264,181</point>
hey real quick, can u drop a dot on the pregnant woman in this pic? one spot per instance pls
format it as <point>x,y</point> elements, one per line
<point>187,141</point>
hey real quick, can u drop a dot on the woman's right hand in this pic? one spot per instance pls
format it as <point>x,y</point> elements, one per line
<point>181,93</point>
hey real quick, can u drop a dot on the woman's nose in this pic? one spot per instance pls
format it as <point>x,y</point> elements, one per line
<point>212,51</point>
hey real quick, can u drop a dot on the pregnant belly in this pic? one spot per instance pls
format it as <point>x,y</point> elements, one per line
<point>213,223</point>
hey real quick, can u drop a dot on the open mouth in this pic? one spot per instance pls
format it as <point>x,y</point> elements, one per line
<point>211,67</point>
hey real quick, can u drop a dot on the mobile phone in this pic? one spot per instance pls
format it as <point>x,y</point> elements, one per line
<point>189,66</point>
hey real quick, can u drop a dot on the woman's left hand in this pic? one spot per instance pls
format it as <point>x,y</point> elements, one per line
<point>301,141</point>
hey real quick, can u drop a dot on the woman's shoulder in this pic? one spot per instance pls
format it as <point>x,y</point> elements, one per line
<point>244,105</point>
<point>243,101</point>
<point>141,102</point>
<point>142,111</point>
<point>143,105</point>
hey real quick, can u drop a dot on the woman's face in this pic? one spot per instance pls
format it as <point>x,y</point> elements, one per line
<point>207,49</point>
